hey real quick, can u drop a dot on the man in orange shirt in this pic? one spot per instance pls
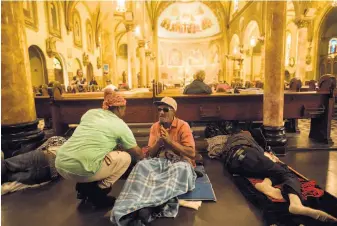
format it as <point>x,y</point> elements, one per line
<point>171,137</point>
<point>166,174</point>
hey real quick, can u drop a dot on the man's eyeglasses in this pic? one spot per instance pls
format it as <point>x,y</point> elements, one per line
<point>164,109</point>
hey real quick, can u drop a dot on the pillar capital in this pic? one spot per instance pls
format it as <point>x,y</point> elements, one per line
<point>301,23</point>
<point>147,53</point>
<point>129,26</point>
<point>141,43</point>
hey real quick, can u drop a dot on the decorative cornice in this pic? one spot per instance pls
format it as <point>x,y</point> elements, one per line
<point>147,53</point>
<point>129,27</point>
<point>300,23</point>
<point>141,43</point>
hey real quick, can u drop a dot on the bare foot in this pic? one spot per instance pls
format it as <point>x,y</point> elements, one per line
<point>266,188</point>
<point>313,213</point>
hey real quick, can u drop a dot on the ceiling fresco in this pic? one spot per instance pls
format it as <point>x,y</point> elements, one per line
<point>187,20</point>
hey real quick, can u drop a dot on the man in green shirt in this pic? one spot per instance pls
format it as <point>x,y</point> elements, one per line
<point>89,158</point>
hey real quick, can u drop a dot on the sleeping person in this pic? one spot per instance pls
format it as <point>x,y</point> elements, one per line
<point>243,156</point>
<point>31,168</point>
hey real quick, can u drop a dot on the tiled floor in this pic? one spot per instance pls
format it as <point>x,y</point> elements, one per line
<point>56,203</point>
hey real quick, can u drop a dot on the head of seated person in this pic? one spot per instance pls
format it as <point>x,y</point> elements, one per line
<point>171,137</point>
<point>198,86</point>
<point>222,87</point>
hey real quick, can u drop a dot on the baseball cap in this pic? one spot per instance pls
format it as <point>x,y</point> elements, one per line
<point>167,101</point>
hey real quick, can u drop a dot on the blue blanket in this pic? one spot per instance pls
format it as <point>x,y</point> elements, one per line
<point>153,182</point>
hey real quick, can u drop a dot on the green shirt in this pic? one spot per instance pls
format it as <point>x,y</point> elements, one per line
<point>97,135</point>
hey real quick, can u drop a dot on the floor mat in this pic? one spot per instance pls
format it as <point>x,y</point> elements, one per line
<point>277,213</point>
<point>203,189</point>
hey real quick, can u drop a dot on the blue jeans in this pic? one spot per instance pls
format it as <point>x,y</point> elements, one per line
<point>28,168</point>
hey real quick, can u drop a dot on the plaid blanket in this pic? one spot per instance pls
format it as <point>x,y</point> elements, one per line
<point>153,182</point>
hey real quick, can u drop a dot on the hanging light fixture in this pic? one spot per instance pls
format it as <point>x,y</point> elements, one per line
<point>121,6</point>
<point>334,3</point>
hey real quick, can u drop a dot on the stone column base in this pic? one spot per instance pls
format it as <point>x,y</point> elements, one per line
<point>20,138</point>
<point>276,139</point>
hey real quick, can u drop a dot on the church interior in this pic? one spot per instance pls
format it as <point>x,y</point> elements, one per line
<point>221,67</point>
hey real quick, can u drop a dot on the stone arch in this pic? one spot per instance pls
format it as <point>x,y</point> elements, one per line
<point>39,74</point>
<point>252,29</point>
<point>63,76</point>
<point>320,28</point>
<point>235,43</point>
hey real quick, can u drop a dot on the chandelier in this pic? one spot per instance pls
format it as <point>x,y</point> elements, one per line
<point>121,6</point>
<point>334,3</point>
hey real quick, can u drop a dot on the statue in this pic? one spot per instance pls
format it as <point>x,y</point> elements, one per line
<point>51,46</point>
<point>85,59</point>
<point>124,77</point>
<point>99,62</point>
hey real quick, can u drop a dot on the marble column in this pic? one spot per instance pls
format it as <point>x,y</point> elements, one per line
<point>132,76</point>
<point>273,98</point>
<point>263,61</point>
<point>141,46</point>
<point>18,121</point>
<point>148,68</point>
<point>302,49</point>
<point>156,53</point>
<point>109,57</point>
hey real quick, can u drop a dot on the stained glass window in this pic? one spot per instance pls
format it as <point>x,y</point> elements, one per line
<point>236,5</point>
<point>57,64</point>
<point>333,46</point>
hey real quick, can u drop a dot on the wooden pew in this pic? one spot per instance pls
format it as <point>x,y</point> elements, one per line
<point>68,108</point>
<point>318,106</point>
<point>42,104</point>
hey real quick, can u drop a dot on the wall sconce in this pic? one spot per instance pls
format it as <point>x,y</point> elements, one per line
<point>334,3</point>
<point>137,31</point>
<point>252,41</point>
<point>235,51</point>
<point>121,6</point>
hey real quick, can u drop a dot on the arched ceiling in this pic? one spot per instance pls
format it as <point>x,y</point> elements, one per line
<point>219,8</point>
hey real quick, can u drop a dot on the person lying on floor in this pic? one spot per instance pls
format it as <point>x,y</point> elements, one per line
<point>89,158</point>
<point>31,168</point>
<point>167,173</point>
<point>243,156</point>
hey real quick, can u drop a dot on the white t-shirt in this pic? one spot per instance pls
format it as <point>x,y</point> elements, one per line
<point>110,87</point>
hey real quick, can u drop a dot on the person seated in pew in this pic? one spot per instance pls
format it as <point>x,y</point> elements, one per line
<point>243,156</point>
<point>223,87</point>
<point>89,158</point>
<point>198,86</point>
<point>110,86</point>
<point>167,173</point>
<point>33,167</point>
<point>78,81</point>
<point>93,82</point>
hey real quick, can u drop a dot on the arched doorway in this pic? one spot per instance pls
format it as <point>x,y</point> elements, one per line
<point>58,70</point>
<point>90,72</point>
<point>325,52</point>
<point>39,75</point>
<point>252,58</point>
<point>234,65</point>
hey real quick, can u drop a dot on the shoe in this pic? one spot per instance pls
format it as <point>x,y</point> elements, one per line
<point>99,198</point>
<point>84,189</point>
